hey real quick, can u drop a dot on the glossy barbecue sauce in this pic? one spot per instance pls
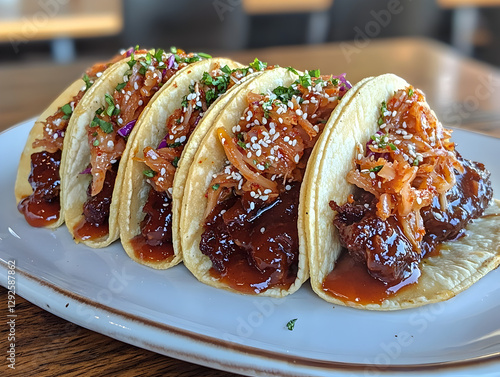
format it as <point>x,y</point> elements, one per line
<point>351,281</point>
<point>42,207</point>
<point>154,243</point>
<point>252,250</point>
<point>94,224</point>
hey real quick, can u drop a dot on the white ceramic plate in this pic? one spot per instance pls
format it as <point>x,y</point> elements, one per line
<point>170,312</point>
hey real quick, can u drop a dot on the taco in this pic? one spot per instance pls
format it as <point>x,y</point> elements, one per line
<point>395,217</point>
<point>37,187</point>
<point>239,212</point>
<point>159,157</point>
<point>97,137</point>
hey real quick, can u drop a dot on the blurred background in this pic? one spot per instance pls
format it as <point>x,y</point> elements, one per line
<point>64,30</point>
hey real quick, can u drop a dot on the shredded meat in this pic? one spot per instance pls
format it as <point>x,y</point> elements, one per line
<point>383,245</point>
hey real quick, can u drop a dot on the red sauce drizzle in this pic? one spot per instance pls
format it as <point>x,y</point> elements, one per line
<point>350,281</point>
<point>42,207</point>
<point>151,253</point>
<point>85,230</point>
<point>254,249</point>
<point>154,243</point>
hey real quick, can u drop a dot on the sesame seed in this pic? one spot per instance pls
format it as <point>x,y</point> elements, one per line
<point>136,87</point>
<point>419,200</point>
<point>110,144</point>
<point>296,158</point>
<point>288,187</point>
<point>252,206</point>
<point>262,230</point>
<point>249,155</point>
<point>372,175</point>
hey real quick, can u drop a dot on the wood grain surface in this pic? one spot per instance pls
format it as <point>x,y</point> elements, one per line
<point>463,92</point>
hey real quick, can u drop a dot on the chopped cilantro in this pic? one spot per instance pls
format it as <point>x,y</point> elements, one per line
<point>293,70</point>
<point>240,136</point>
<point>143,70</point>
<point>131,62</point>
<point>415,162</point>
<point>285,94</point>
<point>257,65</point>
<point>105,126</point>
<point>87,81</point>
<point>204,56</point>
<point>242,144</point>
<point>383,109</point>
<point>267,164</point>
<point>184,102</point>
<point>335,81</point>
<point>95,143</point>
<point>174,145</point>
<point>314,73</point>
<point>66,109</point>
<point>173,50</point>
<point>148,58</point>
<point>215,187</point>
<point>410,92</point>
<point>376,169</point>
<point>149,173</point>
<point>94,133</point>
<point>226,70</point>
<point>158,55</point>
<point>99,111</point>
<point>178,121</point>
<point>392,146</point>
<point>291,324</point>
<point>120,86</point>
<point>305,80</point>
<point>210,96</point>
<point>188,59</point>
<point>112,109</point>
<point>175,162</point>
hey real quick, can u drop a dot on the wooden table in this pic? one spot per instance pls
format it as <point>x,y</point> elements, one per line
<point>463,92</point>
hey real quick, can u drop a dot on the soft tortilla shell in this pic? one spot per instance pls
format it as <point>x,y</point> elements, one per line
<point>76,153</point>
<point>150,132</point>
<point>22,187</point>
<point>210,159</point>
<point>460,263</point>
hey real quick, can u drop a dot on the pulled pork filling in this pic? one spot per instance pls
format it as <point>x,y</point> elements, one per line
<point>113,123</point>
<point>156,228</point>
<point>414,191</point>
<point>47,162</point>
<point>250,229</point>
